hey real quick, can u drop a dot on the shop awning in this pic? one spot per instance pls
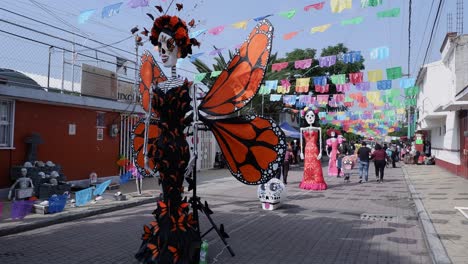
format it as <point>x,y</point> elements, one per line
<point>289,131</point>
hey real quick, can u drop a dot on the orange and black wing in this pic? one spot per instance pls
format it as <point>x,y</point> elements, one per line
<point>138,143</point>
<point>150,75</point>
<point>253,147</point>
<point>240,81</point>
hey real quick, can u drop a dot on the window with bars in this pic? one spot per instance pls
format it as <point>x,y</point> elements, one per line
<point>7,115</point>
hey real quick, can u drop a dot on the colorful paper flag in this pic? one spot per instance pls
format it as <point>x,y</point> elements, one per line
<point>137,3</point>
<point>193,57</point>
<point>261,18</point>
<point>327,61</point>
<point>380,53</point>
<point>394,12</point>
<point>215,74</point>
<point>197,33</point>
<point>85,15</point>
<point>321,28</point>
<point>279,66</point>
<point>352,21</point>
<point>290,35</point>
<point>101,188</point>
<point>199,77</point>
<point>375,75</point>
<point>337,6</point>
<point>302,85</point>
<point>303,64</point>
<point>317,6</point>
<point>271,85</point>
<point>216,30</point>
<point>83,197</point>
<point>338,79</point>
<point>241,24</point>
<point>371,3</point>
<point>216,52</point>
<point>111,10</point>
<point>394,73</point>
<point>288,14</point>
<point>19,208</point>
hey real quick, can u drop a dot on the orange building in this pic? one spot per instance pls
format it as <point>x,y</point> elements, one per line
<point>82,134</point>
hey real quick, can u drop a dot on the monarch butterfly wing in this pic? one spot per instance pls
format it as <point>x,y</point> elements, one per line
<point>138,138</point>
<point>150,74</point>
<point>240,81</point>
<point>254,147</point>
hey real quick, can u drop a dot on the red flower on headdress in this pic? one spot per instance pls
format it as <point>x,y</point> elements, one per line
<point>329,132</point>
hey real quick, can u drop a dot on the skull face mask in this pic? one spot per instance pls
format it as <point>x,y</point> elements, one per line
<point>310,117</point>
<point>271,194</point>
<point>168,50</point>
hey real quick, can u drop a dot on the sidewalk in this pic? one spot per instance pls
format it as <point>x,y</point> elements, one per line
<point>151,190</point>
<point>440,191</point>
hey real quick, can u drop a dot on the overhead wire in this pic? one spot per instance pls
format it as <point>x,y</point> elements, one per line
<point>423,37</point>
<point>432,30</point>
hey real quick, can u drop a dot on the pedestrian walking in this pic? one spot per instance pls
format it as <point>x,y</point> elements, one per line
<point>380,160</point>
<point>363,155</point>
<point>287,160</point>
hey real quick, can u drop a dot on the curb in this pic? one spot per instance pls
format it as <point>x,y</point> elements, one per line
<point>72,216</point>
<point>434,244</point>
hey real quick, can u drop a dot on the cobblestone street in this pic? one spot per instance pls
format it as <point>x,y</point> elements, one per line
<point>311,227</point>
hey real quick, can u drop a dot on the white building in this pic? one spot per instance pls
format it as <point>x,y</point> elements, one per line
<point>443,104</point>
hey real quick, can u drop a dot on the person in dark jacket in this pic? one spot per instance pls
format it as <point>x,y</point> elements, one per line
<point>380,160</point>
<point>363,155</point>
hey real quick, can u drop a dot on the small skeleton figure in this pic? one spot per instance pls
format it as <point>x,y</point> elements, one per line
<point>23,182</point>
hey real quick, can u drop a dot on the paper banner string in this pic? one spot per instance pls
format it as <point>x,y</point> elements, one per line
<point>327,61</point>
<point>199,77</point>
<point>101,188</point>
<point>83,197</point>
<point>85,15</point>
<point>337,6</point>
<point>282,90</point>
<point>279,66</point>
<point>384,85</point>
<point>261,17</point>
<point>271,85</point>
<point>215,74</point>
<point>288,14</point>
<point>394,12</point>
<point>352,21</point>
<point>275,97</point>
<point>363,86</point>
<point>317,6</point>
<point>19,209</point>
<point>263,90</point>
<point>370,3</point>
<point>111,10</point>
<point>216,30</point>
<point>290,35</point>
<point>241,24</point>
<point>322,88</point>
<point>356,77</point>
<point>285,83</point>
<point>322,99</point>
<point>380,53</point>
<point>197,33</point>
<point>375,75</point>
<point>343,88</point>
<point>338,79</point>
<point>407,83</point>
<point>321,28</point>
<point>303,64</point>
<point>137,3</point>
<point>216,52</point>
<point>320,80</point>
<point>302,85</point>
<point>193,57</point>
<point>394,73</point>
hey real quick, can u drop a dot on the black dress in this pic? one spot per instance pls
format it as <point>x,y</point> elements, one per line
<point>170,237</point>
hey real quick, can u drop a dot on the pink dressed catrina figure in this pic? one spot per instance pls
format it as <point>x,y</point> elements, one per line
<point>332,152</point>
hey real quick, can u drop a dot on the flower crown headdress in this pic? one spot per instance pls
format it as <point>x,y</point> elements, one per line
<point>176,28</point>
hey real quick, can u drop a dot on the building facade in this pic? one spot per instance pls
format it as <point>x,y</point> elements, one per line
<point>443,104</point>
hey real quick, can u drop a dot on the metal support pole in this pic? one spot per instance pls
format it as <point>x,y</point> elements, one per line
<point>63,72</point>
<point>48,67</point>
<point>73,68</point>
